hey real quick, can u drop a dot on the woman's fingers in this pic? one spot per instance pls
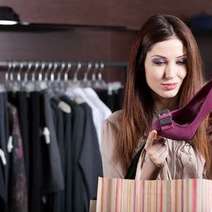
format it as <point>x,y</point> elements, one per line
<point>153,138</point>
<point>150,139</point>
<point>156,148</point>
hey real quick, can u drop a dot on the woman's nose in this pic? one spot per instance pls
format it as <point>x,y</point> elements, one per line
<point>170,71</point>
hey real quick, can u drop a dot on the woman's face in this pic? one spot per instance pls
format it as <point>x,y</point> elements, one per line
<point>165,67</point>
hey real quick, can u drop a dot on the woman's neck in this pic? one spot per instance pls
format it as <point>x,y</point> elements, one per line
<point>165,103</point>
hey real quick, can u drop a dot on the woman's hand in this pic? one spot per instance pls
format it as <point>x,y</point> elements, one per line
<point>156,148</point>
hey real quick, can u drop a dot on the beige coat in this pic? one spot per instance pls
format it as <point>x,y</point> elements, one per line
<point>182,160</point>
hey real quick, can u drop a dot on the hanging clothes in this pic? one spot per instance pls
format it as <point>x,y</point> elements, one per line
<point>4,160</point>
<point>85,150</point>
<point>56,148</point>
<point>59,131</point>
<point>99,110</point>
<point>112,96</point>
<point>17,190</point>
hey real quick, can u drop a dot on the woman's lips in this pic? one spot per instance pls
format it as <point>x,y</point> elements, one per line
<point>169,86</point>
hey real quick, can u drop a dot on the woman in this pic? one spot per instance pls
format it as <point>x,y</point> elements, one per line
<point>165,71</point>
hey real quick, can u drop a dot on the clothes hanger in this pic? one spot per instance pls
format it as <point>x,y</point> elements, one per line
<point>26,74</point>
<point>61,69</point>
<point>47,72</point>
<point>100,83</point>
<point>66,76</point>
<point>13,78</point>
<point>53,81</point>
<point>36,76</point>
<point>53,72</point>
<point>7,76</point>
<point>74,90</point>
<point>76,81</point>
<point>18,76</point>
<point>24,79</point>
<point>93,76</point>
<point>61,72</point>
<point>85,81</point>
<point>41,77</point>
<point>58,84</point>
<point>28,83</point>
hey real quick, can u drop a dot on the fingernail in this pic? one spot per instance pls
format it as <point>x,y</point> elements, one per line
<point>152,134</point>
<point>155,133</point>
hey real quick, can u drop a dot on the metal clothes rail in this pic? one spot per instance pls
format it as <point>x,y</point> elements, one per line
<point>5,65</point>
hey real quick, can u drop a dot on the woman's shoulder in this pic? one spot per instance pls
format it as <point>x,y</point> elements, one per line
<point>115,118</point>
<point>111,125</point>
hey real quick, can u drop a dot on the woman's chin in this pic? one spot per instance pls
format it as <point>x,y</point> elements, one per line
<point>168,94</point>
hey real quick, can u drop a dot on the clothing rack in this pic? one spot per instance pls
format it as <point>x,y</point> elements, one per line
<point>8,65</point>
<point>60,70</point>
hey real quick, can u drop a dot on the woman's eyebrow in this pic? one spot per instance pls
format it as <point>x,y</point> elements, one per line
<point>158,56</point>
<point>182,56</point>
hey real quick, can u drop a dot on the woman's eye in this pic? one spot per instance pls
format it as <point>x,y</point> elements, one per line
<point>158,62</point>
<point>182,62</point>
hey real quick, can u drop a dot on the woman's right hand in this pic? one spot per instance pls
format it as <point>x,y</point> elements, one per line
<point>156,148</point>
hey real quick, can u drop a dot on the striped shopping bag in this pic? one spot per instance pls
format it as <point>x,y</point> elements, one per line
<point>122,195</point>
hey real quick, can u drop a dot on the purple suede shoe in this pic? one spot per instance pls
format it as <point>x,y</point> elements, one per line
<point>181,124</point>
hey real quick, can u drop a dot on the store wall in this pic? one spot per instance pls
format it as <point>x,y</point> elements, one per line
<point>109,12</point>
<point>100,42</point>
<point>69,45</point>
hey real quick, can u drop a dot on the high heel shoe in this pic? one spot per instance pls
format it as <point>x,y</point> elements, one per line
<point>181,124</point>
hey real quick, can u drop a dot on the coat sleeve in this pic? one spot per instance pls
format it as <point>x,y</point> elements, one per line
<point>111,167</point>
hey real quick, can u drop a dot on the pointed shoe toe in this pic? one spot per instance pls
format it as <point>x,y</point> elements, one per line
<point>182,124</point>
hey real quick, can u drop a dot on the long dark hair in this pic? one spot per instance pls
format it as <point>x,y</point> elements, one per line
<point>138,102</point>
